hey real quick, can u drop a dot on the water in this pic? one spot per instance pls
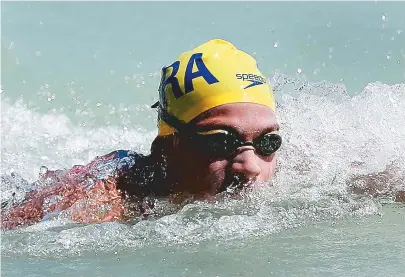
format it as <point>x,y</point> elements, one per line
<point>78,79</point>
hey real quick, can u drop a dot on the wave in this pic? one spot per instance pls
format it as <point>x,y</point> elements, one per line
<point>328,136</point>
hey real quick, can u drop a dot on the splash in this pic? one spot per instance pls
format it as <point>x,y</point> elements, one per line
<point>328,137</point>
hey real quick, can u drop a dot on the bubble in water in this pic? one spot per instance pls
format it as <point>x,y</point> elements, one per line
<point>384,17</point>
<point>338,129</point>
<point>275,44</point>
<point>299,70</point>
<point>37,53</point>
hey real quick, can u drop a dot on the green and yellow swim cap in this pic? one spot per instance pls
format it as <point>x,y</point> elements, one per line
<point>213,74</point>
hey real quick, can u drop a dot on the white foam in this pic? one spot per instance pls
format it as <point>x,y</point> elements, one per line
<point>324,132</point>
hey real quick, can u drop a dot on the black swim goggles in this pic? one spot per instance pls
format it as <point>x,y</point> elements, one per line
<point>221,143</point>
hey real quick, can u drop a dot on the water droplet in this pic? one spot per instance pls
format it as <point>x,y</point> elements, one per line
<point>43,170</point>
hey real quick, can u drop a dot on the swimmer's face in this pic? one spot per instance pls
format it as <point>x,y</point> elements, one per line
<point>201,174</point>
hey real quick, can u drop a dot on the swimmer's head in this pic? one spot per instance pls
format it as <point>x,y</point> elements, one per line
<point>226,107</point>
<point>213,74</point>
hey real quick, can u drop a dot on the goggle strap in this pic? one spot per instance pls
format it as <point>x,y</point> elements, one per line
<point>176,123</point>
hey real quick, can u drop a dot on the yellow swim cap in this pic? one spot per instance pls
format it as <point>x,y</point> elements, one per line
<point>213,74</point>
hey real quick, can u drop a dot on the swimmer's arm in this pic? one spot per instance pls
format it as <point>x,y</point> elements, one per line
<point>101,203</point>
<point>389,182</point>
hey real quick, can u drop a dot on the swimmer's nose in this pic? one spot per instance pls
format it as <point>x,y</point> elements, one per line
<point>246,164</point>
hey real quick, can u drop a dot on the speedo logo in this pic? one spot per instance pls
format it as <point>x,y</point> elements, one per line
<point>254,79</point>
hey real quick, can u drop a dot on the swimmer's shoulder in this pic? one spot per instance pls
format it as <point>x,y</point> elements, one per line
<point>118,161</point>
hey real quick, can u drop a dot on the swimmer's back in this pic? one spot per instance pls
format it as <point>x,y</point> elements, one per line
<point>80,193</point>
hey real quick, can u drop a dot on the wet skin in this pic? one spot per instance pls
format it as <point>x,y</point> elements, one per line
<point>189,170</point>
<point>201,175</point>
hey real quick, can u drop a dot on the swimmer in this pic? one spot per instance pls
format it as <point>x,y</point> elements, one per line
<point>217,132</point>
